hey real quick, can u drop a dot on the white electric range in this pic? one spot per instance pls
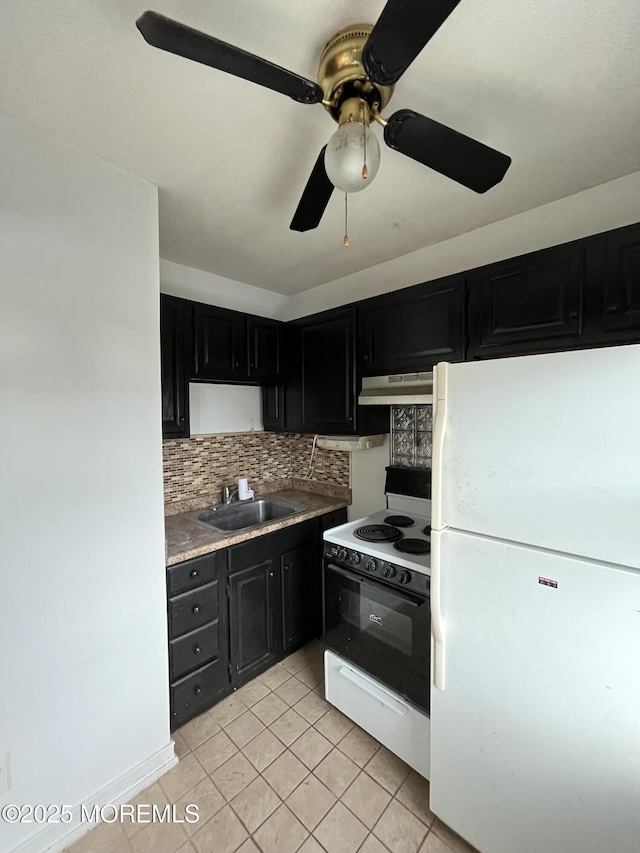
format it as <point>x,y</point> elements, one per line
<point>377,625</point>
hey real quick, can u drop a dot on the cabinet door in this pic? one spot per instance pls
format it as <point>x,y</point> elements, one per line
<point>527,304</point>
<point>220,344</point>
<point>273,416</point>
<point>264,349</point>
<point>301,582</point>
<point>327,389</point>
<point>413,329</point>
<point>253,614</point>
<point>175,316</point>
<point>620,284</point>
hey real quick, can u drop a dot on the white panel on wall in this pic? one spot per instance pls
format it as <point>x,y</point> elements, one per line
<point>224,408</point>
<point>367,480</point>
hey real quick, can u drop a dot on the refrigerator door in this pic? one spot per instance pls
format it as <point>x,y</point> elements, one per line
<point>542,450</point>
<point>535,736</point>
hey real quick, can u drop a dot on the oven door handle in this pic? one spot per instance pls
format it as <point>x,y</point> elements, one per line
<point>385,697</point>
<point>406,596</point>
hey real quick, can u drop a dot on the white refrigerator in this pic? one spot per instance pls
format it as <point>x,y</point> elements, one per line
<point>535,599</point>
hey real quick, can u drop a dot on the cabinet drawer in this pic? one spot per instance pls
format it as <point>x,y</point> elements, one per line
<point>194,573</point>
<point>193,609</point>
<point>194,649</point>
<point>333,519</point>
<point>197,692</point>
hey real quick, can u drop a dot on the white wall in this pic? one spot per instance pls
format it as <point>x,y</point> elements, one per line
<point>201,286</point>
<point>224,408</point>
<point>367,481</point>
<point>83,670</point>
<point>601,208</point>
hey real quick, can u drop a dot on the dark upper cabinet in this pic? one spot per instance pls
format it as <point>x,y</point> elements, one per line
<point>527,304</point>
<point>613,281</point>
<point>175,322</point>
<point>253,609</point>
<point>273,412</point>
<point>264,345</point>
<point>219,337</point>
<point>412,329</point>
<point>327,365</point>
<point>322,383</point>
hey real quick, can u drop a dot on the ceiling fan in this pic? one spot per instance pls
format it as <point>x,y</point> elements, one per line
<point>358,69</point>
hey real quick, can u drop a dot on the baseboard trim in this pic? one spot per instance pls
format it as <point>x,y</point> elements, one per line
<point>53,838</point>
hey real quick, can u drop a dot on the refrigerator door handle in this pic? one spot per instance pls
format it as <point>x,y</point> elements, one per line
<point>441,376</point>
<point>437,627</point>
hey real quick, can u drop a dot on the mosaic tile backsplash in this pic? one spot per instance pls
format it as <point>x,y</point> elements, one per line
<point>203,464</point>
<point>411,436</point>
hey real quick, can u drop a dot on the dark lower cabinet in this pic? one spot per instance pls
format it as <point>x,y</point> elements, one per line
<point>198,644</point>
<point>253,610</point>
<point>175,319</point>
<point>528,304</point>
<point>235,612</point>
<point>301,590</point>
<point>412,329</point>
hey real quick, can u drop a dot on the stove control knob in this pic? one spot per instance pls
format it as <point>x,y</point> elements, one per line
<point>405,577</point>
<point>390,572</point>
<point>354,558</point>
<point>342,554</point>
<point>371,565</point>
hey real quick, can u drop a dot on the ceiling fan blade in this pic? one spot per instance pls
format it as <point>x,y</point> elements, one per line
<point>453,154</point>
<point>177,38</point>
<point>314,199</point>
<point>402,30</point>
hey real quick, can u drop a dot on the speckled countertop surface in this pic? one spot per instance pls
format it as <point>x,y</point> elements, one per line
<point>185,539</point>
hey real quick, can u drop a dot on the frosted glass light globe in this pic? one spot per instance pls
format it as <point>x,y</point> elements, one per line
<point>344,157</point>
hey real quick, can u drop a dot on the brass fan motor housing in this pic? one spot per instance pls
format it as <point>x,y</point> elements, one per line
<point>341,74</point>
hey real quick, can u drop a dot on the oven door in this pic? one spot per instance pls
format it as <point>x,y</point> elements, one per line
<point>383,630</point>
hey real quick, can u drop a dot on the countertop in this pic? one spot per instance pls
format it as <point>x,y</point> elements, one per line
<point>185,539</point>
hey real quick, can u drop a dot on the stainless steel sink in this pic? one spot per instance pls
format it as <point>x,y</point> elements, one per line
<point>242,514</point>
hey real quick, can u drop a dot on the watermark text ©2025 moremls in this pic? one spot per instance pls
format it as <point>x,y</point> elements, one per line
<point>129,813</point>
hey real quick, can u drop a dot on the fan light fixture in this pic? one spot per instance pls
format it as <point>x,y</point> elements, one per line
<point>352,157</point>
<point>359,68</point>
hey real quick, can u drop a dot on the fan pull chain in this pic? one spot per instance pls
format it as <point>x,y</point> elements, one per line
<point>365,171</point>
<point>345,242</point>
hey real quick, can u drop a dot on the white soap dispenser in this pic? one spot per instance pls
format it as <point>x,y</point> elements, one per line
<point>244,492</point>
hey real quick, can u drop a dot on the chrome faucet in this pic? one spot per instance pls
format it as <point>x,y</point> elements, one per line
<point>228,494</point>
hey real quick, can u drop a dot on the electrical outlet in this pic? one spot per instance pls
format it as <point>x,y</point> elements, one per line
<point>319,461</point>
<point>5,777</point>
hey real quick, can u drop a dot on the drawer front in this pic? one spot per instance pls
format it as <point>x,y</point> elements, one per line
<point>193,609</point>
<point>333,519</point>
<point>193,573</point>
<point>197,692</point>
<point>195,649</point>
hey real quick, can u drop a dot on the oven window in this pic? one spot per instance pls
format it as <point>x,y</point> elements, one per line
<point>384,630</point>
<point>379,621</point>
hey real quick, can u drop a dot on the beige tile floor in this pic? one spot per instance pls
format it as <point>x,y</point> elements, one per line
<point>275,768</point>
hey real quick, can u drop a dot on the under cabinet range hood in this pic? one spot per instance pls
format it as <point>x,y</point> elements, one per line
<point>403,389</point>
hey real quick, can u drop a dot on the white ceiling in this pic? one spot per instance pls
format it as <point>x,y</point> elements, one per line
<point>553,83</point>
